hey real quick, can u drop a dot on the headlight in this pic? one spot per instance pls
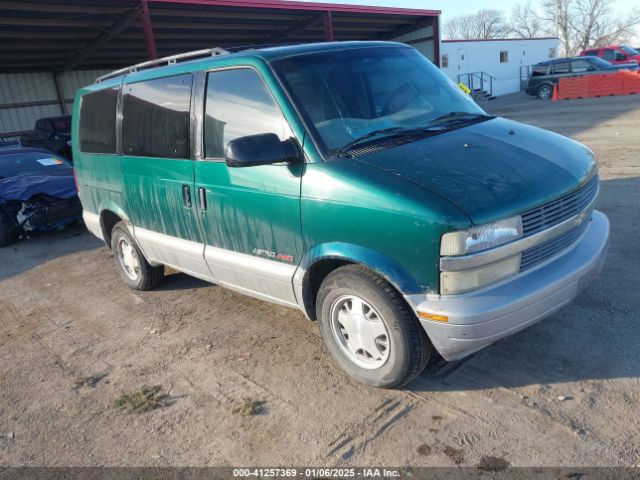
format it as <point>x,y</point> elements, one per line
<point>483,237</point>
<point>466,280</point>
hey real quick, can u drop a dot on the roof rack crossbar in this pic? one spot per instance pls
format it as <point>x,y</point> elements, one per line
<point>170,60</point>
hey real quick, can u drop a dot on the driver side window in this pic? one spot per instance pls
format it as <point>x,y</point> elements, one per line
<point>238,103</point>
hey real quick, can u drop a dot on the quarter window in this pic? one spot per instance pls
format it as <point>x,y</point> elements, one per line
<point>539,70</point>
<point>98,121</point>
<point>238,104</point>
<point>155,117</point>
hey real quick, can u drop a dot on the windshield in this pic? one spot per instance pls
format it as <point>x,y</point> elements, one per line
<point>629,50</point>
<point>346,95</point>
<point>17,164</point>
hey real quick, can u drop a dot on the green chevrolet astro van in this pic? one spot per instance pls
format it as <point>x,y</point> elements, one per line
<point>351,180</point>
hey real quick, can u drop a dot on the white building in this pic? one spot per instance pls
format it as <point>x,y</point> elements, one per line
<point>503,61</point>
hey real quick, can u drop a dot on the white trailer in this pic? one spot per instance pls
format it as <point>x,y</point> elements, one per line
<point>494,66</point>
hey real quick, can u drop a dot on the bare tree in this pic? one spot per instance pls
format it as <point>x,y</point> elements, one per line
<point>581,24</point>
<point>485,24</point>
<point>525,22</point>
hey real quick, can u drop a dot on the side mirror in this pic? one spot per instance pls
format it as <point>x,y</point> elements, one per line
<point>262,149</point>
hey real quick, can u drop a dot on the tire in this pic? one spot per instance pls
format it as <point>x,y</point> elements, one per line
<point>134,269</point>
<point>545,92</point>
<point>390,364</point>
<point>9,232</point>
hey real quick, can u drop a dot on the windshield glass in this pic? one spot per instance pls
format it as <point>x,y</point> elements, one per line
<point>17,164</point>
<point>348,94</point>
<point>629,50</point>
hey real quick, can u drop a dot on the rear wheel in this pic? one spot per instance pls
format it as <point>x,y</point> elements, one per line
<point>134,269</point>
<point>369,329</point>
<point>545,92</point>
<point>9,231</point>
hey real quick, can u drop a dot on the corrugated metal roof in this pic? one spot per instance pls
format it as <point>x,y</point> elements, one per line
<point>45,34</point>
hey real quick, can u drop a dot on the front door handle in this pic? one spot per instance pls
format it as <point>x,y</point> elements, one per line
<point>186,195</point>
<point>202,198</point>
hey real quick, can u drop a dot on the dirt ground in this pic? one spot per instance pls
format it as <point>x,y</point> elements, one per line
<point>562,393</point>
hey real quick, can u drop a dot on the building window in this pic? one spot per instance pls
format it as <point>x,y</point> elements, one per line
<point>155,117</point>
<point>552,53</point>
<point>98,121</point>
<point>445,61</point>
<point>504,56</point>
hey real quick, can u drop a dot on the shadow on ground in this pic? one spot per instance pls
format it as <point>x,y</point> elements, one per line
<point>42,247</point>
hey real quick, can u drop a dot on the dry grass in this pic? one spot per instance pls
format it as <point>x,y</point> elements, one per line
<point>143,400</point>
<point>248,407</point>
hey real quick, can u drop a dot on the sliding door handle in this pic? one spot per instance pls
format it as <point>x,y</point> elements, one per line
<point>186,195</point>
<point>202,198</point>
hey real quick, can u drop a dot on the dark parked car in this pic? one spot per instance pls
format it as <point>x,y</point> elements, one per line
<point>546,74</point>
<point>53,134</point>
<point>37,192</point>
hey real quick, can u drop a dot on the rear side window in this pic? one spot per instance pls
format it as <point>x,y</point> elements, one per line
<point>155,117</point>
<point>560,68</point>
<point>98,121</point>
<point>581,66</point>
<point>238,104</point>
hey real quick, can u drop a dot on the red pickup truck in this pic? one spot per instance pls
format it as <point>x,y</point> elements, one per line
<point>615,54</point>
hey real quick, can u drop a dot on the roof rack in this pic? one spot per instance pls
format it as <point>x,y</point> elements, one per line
<point>170,60</point>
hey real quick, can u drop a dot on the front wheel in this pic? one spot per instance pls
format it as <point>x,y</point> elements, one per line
<point>545,92</point>
<point>134,269</point>
<point>369,329</point>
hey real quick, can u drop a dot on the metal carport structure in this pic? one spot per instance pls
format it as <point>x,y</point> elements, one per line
<point>55,38</point>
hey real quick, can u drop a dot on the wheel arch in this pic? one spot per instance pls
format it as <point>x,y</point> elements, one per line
<point>324,259</point>
<point>110,214</point>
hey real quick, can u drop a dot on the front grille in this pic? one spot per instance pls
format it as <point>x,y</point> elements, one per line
<point>556,212</point>
<point>540,253</point>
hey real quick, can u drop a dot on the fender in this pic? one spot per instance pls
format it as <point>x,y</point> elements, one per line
<point>110,205</point>
<point>388,268</point>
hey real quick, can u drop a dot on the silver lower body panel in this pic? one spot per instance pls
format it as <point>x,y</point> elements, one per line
<point>478,319</point>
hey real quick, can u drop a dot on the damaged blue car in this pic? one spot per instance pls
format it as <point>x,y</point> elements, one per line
<point>37,193</point>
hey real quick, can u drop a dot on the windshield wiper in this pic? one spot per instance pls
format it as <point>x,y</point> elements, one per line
<point>383,133</point>
<point>452,117</point>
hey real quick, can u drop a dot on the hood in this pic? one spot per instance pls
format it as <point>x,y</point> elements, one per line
<point>493,169</point>
<point>23,187</point>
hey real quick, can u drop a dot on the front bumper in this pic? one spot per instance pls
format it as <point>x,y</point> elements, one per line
<point>479,318</point>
